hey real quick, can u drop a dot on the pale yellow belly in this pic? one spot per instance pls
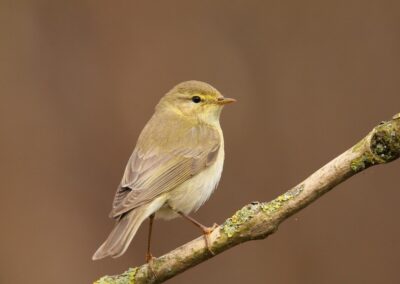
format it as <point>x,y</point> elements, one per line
<point>191,194</point>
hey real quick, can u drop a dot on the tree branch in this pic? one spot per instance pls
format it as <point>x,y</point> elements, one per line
<point>259,220</point>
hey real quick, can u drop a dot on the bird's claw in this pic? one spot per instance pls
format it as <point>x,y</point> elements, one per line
<point>150,259</point>
<point>207,231</point>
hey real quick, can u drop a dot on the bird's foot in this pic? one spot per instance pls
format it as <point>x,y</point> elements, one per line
<point>206,233</point>
<point>209,230</point>
<point>149,257</point>
<point>149,260</point>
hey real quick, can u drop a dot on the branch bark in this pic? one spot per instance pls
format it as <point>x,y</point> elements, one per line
<point>259,220</point>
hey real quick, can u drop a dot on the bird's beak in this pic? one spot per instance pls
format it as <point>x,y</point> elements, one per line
<point>225,101</point>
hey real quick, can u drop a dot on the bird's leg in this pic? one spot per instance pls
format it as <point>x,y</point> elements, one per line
<point>206,230</point>
<point>149,256</point>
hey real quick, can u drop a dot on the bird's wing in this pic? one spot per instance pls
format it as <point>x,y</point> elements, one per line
<point>164,162</point>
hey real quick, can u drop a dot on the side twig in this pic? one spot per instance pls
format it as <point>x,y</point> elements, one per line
<point>259,220</point>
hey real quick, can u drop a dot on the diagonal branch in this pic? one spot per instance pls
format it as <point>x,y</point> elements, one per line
<point>259,220</point>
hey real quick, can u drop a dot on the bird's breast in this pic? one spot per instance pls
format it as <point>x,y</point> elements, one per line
<point>192,194</point>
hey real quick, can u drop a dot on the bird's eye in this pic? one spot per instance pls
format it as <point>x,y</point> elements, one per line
<point>196,99</point>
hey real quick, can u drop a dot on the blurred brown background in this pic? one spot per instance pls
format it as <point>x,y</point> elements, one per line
<point>79,79</point>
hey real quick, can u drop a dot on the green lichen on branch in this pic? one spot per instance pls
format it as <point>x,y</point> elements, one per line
<point>361,163</point>
<point>128,277</point>
<point>234,224</point>
<point>277,203</point>
<point>383,147</point>
<point>231,226</point>
<point>386,144</point>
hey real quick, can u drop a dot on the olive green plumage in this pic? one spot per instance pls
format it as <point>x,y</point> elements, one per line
<point>177,162</point>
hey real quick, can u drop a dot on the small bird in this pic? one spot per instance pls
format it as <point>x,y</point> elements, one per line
<point>175,166</point>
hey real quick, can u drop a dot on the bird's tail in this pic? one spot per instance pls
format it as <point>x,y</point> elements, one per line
<point>122,234</point>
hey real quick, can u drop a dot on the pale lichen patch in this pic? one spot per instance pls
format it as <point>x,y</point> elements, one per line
<point>277,203</point>
<point>361,163</point>
<point>128,277</point>
<point>232,224</point>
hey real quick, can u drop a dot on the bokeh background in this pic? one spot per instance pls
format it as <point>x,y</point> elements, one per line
<point>79,79</point>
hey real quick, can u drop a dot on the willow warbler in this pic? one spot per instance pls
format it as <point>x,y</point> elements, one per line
<point>176,165</point>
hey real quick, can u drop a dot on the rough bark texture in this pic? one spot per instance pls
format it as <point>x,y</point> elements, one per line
<point>259,220</point>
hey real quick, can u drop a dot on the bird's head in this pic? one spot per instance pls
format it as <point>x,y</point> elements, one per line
<point>195,100</point>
